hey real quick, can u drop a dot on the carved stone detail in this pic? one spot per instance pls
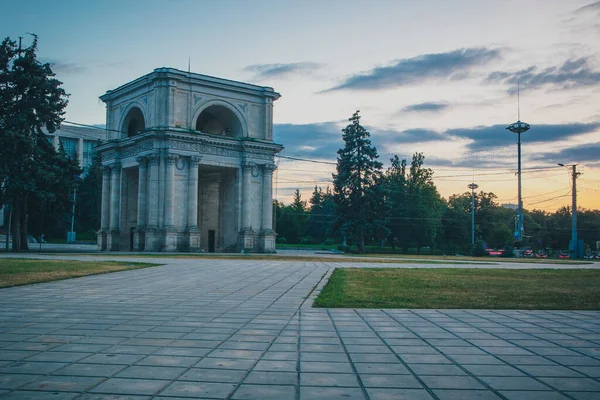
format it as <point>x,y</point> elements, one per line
<point>194,160</point>
<point>171,158</point>
<point>153,159</point>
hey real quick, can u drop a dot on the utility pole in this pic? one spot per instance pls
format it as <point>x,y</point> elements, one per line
<point>574,241</point>
<point>472,186</point>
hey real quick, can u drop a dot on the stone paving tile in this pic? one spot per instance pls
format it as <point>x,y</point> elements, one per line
<point>100,370</point>
<point>14,381</point>
<point>126,386</point>
<point>451,382</point>
<point>394,394</point>
<point>27,395</point>
<point>63,383</point>
<point>532,395</point>
<point>514,383</point>
<point>260,392</point>
<point>327,393</point>
<point>448,394</point>
<point>218,325</point>
<point>329,380</point>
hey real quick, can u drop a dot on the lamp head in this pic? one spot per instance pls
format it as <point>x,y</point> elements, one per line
<point>561,164</point>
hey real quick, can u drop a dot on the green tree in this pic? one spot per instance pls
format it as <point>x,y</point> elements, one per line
<point>89,196</point>
<point>31,100</point>
<point>358,187</point>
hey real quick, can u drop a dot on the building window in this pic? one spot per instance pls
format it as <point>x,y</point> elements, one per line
<point>88,152</point>
<point>70,146</point>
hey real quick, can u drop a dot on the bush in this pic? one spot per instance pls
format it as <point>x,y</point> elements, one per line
<point>281,240</point>
<point>478,250</point>
<point>508,252</point>
<point>305,240</point>
<point>329,242</point>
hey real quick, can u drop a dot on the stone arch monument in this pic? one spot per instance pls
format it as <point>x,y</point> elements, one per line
<point>188,165</point>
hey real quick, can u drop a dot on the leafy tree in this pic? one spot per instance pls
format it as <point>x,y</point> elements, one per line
<point>31,171</point>
<point>358,187</point>
<point>321,215</point>
<point>89,196</point>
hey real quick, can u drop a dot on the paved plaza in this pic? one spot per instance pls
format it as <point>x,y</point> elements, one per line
<point>245,329</point>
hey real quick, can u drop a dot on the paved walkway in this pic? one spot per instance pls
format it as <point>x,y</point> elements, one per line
<point>228,329</point>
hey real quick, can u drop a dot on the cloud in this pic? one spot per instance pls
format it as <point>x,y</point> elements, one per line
<point>262,71</point>
<point>574,73</point>
<point>313,141</point>
<point>451,65</point>
<point>426,107</point>
<point>592,7</point>
<point>489,137</point>
<point>577,154</point>
<point>64,68</point>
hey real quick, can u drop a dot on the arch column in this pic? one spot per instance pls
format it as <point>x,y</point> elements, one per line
<point>267,234</point>
<point>114,234</point>
<point>246,234</point>
<point>151,241</point>
<point>138,234</point>
<point>105,209</point>
<point>193,232</point>
<point>169,222</point>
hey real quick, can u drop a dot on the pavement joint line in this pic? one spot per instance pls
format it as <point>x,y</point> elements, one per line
<point>504,362</point>
<point>281,330</point>
<point>548,340</point>
<point>442,354</point>
<point>315,290</point>
<point>385,343</point>
<point>337,332</point>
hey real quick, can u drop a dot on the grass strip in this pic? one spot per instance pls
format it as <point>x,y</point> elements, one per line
<point>15,272</point>
<point>447,288</point>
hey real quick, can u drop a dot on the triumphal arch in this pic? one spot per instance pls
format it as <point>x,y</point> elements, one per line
<point>188,165</point>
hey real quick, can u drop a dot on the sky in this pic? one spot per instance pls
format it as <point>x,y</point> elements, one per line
<point>434,76</point>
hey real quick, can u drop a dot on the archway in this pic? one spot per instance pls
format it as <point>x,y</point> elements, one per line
<point>134,122</point>
<point>219,120</point>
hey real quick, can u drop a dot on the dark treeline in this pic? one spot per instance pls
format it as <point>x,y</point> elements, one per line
<point>401,208</point>
<point>444,228</point>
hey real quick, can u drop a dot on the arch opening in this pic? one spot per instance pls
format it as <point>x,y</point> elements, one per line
<point>134,122</point>
<point>219,120</point>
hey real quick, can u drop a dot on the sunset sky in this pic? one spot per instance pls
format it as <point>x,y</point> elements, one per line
<point>434,76</point>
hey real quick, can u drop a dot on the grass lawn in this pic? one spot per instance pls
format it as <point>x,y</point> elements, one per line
<point>14,272</point>
<point>575,289</point>
<point>480,259</point>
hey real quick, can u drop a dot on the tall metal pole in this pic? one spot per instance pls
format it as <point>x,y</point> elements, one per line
<point>574,240</point>
<point>520,200</point>
<point>518,128</point>
<point>574,244</point>
<point>71,236</point>
<point>472,186</point>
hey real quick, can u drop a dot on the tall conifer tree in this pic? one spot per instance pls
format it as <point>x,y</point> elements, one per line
<point>358,189</point>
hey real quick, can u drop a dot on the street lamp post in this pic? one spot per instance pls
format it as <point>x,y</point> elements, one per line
<point>518,128</point>
<point>472,186</point>
<point>574,241</point>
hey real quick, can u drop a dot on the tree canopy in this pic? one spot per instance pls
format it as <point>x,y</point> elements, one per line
<point>34,175</point>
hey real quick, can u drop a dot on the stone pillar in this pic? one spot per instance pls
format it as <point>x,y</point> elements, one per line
<point>246,234</point>
<point>80,152</point>
<point>151,242</point>
<point>193,231</point>
<point>114,235</point>
<point>56,142</point>
<point>169,225</point>
<point>105,209</point>
<point>267,234</point>
<point>139,234</point>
